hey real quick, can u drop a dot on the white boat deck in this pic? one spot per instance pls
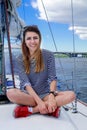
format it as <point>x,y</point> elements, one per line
<point>79,118</point>
<point>66,121</point>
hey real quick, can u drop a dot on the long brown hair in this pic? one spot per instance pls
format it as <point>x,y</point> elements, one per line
<point>26,54</point>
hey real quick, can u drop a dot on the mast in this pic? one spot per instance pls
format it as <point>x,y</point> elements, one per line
<point>8,38</point>
<point>3,97</point>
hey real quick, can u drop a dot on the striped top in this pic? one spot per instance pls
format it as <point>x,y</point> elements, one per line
<point>40,82</point>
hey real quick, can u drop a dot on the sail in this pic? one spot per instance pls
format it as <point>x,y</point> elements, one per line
<point>15,22</point>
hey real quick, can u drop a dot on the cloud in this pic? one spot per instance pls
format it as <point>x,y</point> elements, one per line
<point>81,31</point>
<point>34,4</point>
<point>60,11</point>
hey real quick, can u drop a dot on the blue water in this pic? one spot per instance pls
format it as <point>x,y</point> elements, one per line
<point>71,73</point>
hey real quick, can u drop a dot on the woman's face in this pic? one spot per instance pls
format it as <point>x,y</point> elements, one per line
<point>32,41</point>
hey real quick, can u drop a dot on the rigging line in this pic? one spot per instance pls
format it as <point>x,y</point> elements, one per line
<point>9,44</point>
<point>73,37</point>
<point>23,10</point>
<point>54,42</point>
<point>74,74</point>
<point>49,26</point>
<point>3,61</point>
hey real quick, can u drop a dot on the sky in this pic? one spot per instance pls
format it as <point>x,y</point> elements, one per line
<point>58,15</point>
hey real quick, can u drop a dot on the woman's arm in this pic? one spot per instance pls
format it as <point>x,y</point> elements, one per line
<point>33,93</point>
<point>52,105</point>
<point>52,82</point>
<point>53,85</point>
<point>41,105</point>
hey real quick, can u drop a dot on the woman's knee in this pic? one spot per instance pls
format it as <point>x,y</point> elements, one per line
<point>72,95</point>
<point>11,94</point>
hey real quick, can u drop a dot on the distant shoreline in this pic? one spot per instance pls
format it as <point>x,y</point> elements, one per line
<point>66,55</point>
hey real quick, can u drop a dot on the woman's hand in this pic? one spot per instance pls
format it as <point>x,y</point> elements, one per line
<point>52,105</point>
<point>42,107</point>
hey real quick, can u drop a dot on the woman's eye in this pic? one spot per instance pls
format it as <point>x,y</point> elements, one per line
<point>32,38</point>
<point>29,38</point>
<point>35,38</point>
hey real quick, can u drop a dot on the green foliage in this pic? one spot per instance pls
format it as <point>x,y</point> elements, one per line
<point>61,55</point>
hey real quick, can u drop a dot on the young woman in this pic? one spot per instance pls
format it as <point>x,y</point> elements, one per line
<point>38,81</point>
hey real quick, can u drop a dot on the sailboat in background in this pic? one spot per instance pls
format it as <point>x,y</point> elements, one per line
<point>73,116</point>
